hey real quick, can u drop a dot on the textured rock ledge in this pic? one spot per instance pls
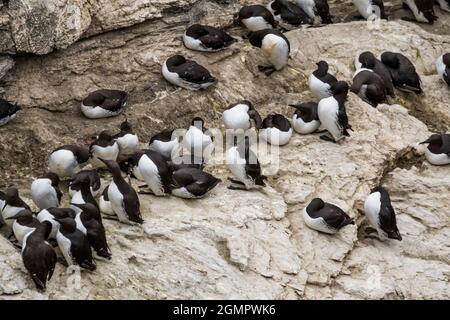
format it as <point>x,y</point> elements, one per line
<point>244,244</point>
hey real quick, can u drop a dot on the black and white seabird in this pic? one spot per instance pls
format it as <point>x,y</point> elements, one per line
<point>150,166</point>
<point>128,141</point>
<point>74,245</point>
<point>205,38</point>
<point>403,72</point>
<point>104,103</point>
<point>65,161</point>
<point>369,61</point>
<point>369,86</point>
<point>104,147</point>
<point>8,111</point>
<point>370,8</point>
<point>320,81</point>
<point>305,119</point>
<point>84,194</point>
<point>24,223</point>
<point>192,183</point>
<point>287,12</point>
<point>123,198</point>
<point>94,181</point>
<point>104,204</point>
<point>438,150</point>
<point>381,214</point>
<point>164,142</point>
<point>13,204</point>
<point>245,167</point>
<point>325,217</point>
<point>87,222</point>
<point>45,191</point>
<point>275,47</point>
<point>39,257</point>
<point>240,116</point>
<point>51,214</point>
<point>444,4</point>
<point>332,113</point>
<point>198,140</point>
<point>276,129</point>
<point>422,10</point>
<point>443,67</point>
<point>318,10</point>
<point>187,74</point>
<point>256,17</point>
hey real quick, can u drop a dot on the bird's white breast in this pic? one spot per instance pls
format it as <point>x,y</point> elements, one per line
<point>318,224</point>
<point>64,245</point>
<point>372,207</point>
<point>318,88</point>
<point>164,148</point>
<point>304,127</point>
<point>44,194</point>
<point>275,136</point>
<point>63,163</point>
<point>276,50</point>
<point>256,23</point>
<point>150,174</point>
<point>44,215</point>
<point>437,159</point>
<point>237,117</point>
<point>20,231</point>
<point>98,112</point>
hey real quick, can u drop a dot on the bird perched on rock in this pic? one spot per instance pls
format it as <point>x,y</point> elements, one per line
<point>51,214</point>
<point>241,115</point>
<point>84,194</point>
<point>287,12</point>
<point>205,38</point>
<point>422,10</point>
<point>368,60</point>
<point>87,222</point>
<point>187,74</point>
<point>403,72</point>
<point>320,81</point>
<point>74,245</point>
<point>150,166</point>
<point>192,183</point>
<point>438,150</point>
<point>127,140</point>
<point>318,10</point>
<point>105,147</point>
<point>325,217</point>
<point>276,129</point>
<point>443,67</point>
<point>45,191</point>
<point>332,113</point>
<point>13,204</point>
<point>94,182</point>
<point>165,142</point>
<point>305,119</point>
<point>8,111</point>
<point>244,165</point>
<point>369,86</point>
<point>198,139</point>
<point>275,47</point>
<point>370,8</point>
<point>38,255</point>
<point>123,198</point>
<point>65,161</point>
<point>381,214</point>
<point>255,18</point>
<point>104,103</point>
<point>24,223</point>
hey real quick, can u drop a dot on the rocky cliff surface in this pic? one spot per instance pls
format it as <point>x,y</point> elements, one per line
<point>232,244</point>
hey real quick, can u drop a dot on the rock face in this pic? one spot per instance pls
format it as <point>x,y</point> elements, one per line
<point>232,244</point>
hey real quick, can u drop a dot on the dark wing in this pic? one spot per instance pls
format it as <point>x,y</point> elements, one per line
<point>358,82</point>
<point>132,206</point>
<point>343,119</point>
<point>334,216</point>
<point>195,73</point>
<point>329,78</point>
<point>323,10</point>
<point>294,15</point>
<point>182,178</point>
<point>96,236</point>
<point>58,194</point>
<point>112,105</point>
<point>253,114</point>
<point>81,250</point>
<point>281,122</point>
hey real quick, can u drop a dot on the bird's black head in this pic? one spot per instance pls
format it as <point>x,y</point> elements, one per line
<point>198,122</point>
<point>322,68</point>
<point>176,60</point>
<point>315,204</point>
<point>126,126</point>
<point>367,59</point>
<point>11,194</point>
<point>54,178</point>
<point>340,88</point>
<point>256,38</point>
<point>198,30</point>
<point>435,139</point>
